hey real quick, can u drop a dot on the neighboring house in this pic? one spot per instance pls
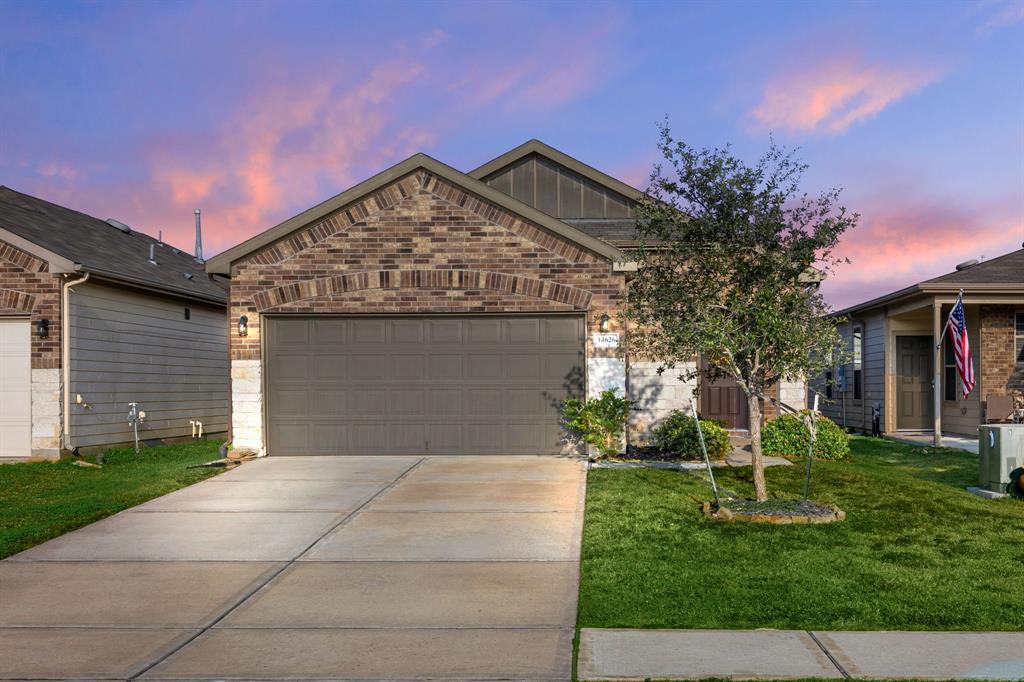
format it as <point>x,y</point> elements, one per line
<point>894,360</point>
<point>430,310</point>
<point>89,324</point>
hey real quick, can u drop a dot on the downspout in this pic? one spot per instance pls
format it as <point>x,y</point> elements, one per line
<point>65,353</point>
<point>863,374</point>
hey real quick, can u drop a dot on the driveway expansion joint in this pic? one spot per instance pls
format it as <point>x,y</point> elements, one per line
<point>828,654</point>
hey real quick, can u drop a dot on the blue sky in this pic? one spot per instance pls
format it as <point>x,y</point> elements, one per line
<point>254,111</point>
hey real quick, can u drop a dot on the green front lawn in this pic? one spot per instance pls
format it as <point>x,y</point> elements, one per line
<point>41,500</point>
<point>917,552</point>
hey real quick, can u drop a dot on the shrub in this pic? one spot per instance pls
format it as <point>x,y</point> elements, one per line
<point>677,435</point>
<point>788,436</point>
<point>600,422</point>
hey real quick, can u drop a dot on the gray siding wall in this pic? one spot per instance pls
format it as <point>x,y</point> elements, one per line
<point>128,346</point>
<point>844,409</point>
<point>558,191</point>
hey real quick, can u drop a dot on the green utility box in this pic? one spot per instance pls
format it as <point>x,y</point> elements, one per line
<point>1000,452</point>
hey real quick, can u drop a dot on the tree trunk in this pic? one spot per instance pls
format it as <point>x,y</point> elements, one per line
<point>756,458</point>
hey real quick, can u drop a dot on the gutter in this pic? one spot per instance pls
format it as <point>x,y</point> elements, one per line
<point>65,353</point>
<point>148,285</point>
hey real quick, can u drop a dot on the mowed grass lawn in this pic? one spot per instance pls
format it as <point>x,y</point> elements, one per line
<point>41,500</point>
<point>917,551</point>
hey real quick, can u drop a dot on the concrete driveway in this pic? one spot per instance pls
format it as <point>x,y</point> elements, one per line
<point>325,567</point>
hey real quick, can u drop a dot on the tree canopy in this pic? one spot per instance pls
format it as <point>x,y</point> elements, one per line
<point>730,256</point>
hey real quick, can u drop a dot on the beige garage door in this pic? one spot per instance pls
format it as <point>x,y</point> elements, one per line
<point>437,385</point>
<point>15,388</point>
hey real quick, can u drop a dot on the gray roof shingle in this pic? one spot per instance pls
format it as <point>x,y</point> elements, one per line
<point>104,249</point>
<point>1006,269</point>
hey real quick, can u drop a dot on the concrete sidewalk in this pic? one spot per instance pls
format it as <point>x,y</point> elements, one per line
<point>610,654</point>
<point>328,568</point>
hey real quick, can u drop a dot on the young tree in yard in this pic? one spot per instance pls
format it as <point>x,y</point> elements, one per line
<point>726,254</point>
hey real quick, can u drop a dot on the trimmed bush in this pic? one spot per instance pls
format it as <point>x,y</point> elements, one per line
<point>677,435</point>
<point>787,436</point>
<point>599,421</point>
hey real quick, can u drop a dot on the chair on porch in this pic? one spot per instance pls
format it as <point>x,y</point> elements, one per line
<point>999,409</point>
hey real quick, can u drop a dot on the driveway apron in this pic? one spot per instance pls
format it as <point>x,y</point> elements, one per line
<point>389,568</point>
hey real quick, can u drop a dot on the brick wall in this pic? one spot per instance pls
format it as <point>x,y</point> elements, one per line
<point>999,371</point>
<point>419,245</point>
<point>28,288</point>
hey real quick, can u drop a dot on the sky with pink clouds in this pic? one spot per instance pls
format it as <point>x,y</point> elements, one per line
<point>254,111</point>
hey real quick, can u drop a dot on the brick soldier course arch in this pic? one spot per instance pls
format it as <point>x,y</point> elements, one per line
<point>423,279</point>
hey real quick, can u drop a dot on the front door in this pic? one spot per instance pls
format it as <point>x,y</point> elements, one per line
<point>723,400</point>
<point>914,382</point>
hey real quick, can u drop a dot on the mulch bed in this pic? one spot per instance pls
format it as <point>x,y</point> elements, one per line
<point>774,511</point>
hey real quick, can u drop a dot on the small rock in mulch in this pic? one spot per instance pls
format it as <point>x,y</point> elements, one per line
<point>774,512</point>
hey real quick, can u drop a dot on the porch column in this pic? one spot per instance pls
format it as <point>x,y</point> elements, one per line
<point>937,367</point>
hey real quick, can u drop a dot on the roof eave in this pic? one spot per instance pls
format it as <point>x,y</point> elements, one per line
<point>119,278</point>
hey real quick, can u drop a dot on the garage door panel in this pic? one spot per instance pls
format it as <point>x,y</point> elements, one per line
<point>407,401</point>
<point>482,366</point>
<point>524,331</point>
<point>524,366</point>
<point>487,330</point>
<point>407,437</point>
<point>446,366</point>
<point>446,401</point>
<point>365,366</point>
<point>328,332</point>
<point>408,367</point>
<point>367,331</point>
<point>329,438</point>
<point>367,401</point>
<point>289,367</point>
<point>453,385</point>
<point>563,330</point>
<point>330,366</point>
<point>407,332</point>
<point>369,437</point>
<point>328,402</point>
<point>483,401</point>
<point>292,401</point>
<point>290,333</point>
<point>446,331</point>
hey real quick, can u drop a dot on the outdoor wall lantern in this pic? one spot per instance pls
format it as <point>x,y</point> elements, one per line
<point>42,328</point>
<point>243,326</point>
<point>602,323</point>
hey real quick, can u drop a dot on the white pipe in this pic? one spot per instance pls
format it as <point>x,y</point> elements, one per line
<point>200,425</point>
<point>65,354</point>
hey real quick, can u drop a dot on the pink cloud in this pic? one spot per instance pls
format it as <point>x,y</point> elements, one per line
<point>835,95</point>
<point>901,241</point>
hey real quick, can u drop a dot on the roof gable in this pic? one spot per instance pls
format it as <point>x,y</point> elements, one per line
<point>222,262</point>
<point>537,148</point>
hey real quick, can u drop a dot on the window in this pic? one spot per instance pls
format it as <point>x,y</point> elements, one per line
<point>828,384</point>
<point>949,375</point>
<point>858,357</point>
<point>1019,338</point>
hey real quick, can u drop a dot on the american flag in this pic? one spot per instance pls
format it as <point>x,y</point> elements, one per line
<point>957,326</point>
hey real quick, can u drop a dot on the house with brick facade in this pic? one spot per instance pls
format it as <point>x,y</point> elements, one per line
<point>93,316</point>
<point>429,310</point>
<point>896,362</point>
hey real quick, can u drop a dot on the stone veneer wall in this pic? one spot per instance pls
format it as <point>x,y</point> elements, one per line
<point>1000,373</point>
<point>28,289</point>
<point>419,245</point>
<point>656,396</point>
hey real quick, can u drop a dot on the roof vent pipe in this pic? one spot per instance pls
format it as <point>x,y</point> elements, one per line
<point>152,254</point>
<point>199,238</point>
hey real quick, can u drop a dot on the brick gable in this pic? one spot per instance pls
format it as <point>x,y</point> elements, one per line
<point>420,245</point>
